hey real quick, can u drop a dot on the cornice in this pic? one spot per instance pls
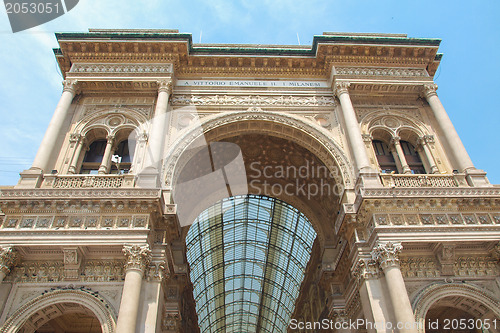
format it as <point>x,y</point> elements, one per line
<point>191,59</point>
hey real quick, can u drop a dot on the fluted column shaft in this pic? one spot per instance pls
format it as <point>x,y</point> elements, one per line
<point>76,156</point>
<point>159,124</point>
<point>450,135</point>
<point>138,258</point>
<point>387,256</point>
<point>106,159</point>
<point>55,126</point>
<point>352,127</point>
<point>401,155</point>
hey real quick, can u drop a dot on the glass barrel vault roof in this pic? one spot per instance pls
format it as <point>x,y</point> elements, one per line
<point>247,256</point>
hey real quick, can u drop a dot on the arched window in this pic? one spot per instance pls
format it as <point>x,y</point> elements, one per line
<point>121,159</point>
<point>93,157</point>
<point>412,158</point>
<point>384,157</point>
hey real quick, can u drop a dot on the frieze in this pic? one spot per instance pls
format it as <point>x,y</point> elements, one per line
<point>476,266</point>
<point>135,193</point>
<point>276,100</point>
<point>86,222</point>
<point>381,71</point>
<point>419,267</point>
<point>120,69</point>
<point>53,271</point>
<point>438,219</point>
<point>431,192</point>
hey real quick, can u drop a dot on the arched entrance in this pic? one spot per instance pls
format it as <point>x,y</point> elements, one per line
<point>62,317</point>
<point>284,156</point>
<point>457,307</point>
<point>63,310</point>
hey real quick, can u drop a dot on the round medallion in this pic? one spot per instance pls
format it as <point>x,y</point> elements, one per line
<point>114,121</point>
<point>391,122</point>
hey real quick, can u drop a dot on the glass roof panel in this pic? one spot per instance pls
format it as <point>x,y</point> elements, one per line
<point>247,257</point>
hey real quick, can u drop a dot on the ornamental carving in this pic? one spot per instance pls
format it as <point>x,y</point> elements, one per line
<point>70,86</point>
<point>341,87</point>
<point>381,71</point>
<point>121,69</point>
<point>8,257</point>
<point>138,257</point>
<point>333,150</point>
<point>275,100</point>
<point>429,90</point>
<point>365,269</point>
<point>165,86</point>
<point>387,254</point>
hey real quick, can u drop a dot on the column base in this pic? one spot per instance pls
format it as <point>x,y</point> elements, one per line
<point>149,178</point>
<point>31,178</point>
<point>477,178</point>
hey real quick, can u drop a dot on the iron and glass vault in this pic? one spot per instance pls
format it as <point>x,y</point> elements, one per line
<point>248,256</point>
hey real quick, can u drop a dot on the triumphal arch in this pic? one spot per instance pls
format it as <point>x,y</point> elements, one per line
<point>186,187</point>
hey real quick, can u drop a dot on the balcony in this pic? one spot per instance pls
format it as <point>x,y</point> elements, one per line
<point>88,181</point>
<point>431,180</point>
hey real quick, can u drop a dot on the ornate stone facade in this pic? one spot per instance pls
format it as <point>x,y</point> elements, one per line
<point>409,231</point>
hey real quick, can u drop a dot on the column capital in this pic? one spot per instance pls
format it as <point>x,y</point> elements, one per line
<point>367,138</point>
<point>387,254</point>
<point>423,140</point>
<point>429,90</point>
<point>366,269</point>
<point>70,86</point>
<point>395,140</point>
<point>165,86</point>
<point>338,315</point>
<point>138,256</point>
<point>110,138</point>
<point>8,257</point>
<point>341,87</point>
<point>75,137</point>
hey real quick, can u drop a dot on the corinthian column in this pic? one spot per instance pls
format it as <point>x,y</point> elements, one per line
<point>149,177</point>
<point>55,126</point>
<point>7,259</point>
<point>160,122</point>
<point>387,255</point>
<point>446,127</point>
<point>138,258</point>
<point>352,127</point>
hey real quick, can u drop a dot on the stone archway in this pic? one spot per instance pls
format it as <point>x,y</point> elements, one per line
<point>442,303</point>
<point>83,304</point>
<point>294,142</point>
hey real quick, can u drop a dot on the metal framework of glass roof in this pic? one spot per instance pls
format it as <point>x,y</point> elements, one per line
<point>247,256</point>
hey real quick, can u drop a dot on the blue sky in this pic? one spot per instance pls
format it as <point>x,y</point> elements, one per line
<point>30,84</point>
